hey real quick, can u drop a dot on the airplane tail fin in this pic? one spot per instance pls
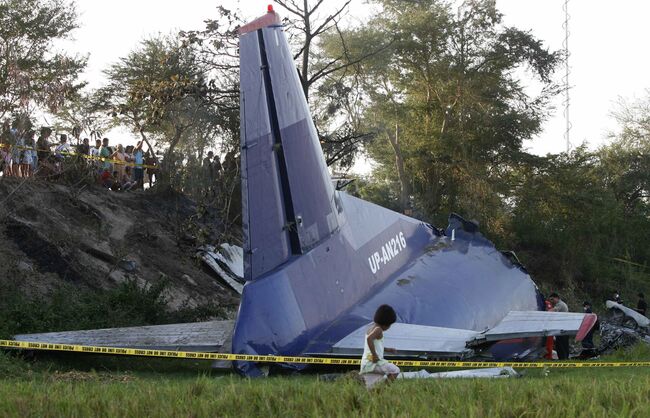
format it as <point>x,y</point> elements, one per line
<point>287,196</point>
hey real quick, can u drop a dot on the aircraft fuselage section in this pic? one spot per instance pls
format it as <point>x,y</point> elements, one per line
<point>316,299</point>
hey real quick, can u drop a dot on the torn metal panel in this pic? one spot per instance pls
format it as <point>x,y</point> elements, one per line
<point>641,320</point>
<point>491,373</point>
<point>227,262</point>
<point>409,339</point>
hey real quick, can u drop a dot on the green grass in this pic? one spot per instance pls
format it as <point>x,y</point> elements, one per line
<point>103,386</point>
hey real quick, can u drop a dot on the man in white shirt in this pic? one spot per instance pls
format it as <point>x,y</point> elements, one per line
<point>561,342</point>
<point>94,153</point>
<point>63,147</point>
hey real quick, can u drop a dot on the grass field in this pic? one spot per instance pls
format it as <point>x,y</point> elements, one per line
<point>91,386</point>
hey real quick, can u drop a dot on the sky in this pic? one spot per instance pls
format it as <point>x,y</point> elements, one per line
<point>607,45</point>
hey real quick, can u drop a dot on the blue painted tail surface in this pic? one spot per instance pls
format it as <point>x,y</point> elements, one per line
<point>288,199</point>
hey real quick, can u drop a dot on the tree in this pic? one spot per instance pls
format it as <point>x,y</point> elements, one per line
<point>325,66</point>
<point>30,72</point>
<point>160,90</point>
<point>307,28</point>
<point>449,113</point>
<point>579,220</point>
<point>81,115</point>
<point>217,51</point>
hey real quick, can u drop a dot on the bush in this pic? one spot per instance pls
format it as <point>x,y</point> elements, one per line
<point>70,308</point>
<point>11,366</point>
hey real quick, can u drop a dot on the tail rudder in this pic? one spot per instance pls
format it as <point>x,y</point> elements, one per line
<point>288,199</point>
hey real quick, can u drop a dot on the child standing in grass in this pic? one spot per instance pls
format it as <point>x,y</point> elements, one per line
<point>374,367</point>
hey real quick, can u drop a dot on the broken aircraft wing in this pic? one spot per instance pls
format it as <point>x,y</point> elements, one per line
<point>518,324</point>
<point>409,339</point>
<point>641,320</point>
<point>207,336</point>
<point>413,339</point>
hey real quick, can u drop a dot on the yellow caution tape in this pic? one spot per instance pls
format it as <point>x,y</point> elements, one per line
<point>26,345</point>
<point>88,157</point>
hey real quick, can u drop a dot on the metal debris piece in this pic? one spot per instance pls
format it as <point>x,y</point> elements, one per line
<point>622,328</point>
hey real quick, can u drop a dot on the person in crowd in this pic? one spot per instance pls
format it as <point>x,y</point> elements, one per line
<point>152,168</point>
<point>5,149</point>
<point>84,147</point>
<point>208,173</point>
<point>216,165</point>
<point>217,174</point>
<point>116,184</point>
<point>106,179</point>
<point>94,154</point>
<point>6,142</point>
<point>588,341</point>
<point>27,163</point>
<point>43,145</point>
<point>374,367</point>
<point>61,150</point>
<point>549,340</point>
<point>46,161</point>
<point>17,150</point>
<point>207,166</point>
<point>641,305</point>
<point>34,162</point>
<point>105,153</point>
<point>128,183</point>
<point>5,154</point>
<point>128,153</point>
<point>230,163</point>
<point>138,170</point>
<point>561,342</point>
<point>120,160</point>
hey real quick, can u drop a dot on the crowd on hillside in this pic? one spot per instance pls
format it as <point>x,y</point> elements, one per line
<point>116,168</point>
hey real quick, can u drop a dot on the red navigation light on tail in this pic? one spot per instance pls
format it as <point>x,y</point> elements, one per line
<point>269,19</point>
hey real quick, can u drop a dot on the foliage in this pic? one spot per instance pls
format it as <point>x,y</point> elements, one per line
<point>445,100</point>
<point>30,71</point>
<point>11,366</point>
<point>161,90</point>
<point>449,113</point>
<point>129,304</point>
<point>579,220</point>
<point>81,116</point>
<point>322,69</point>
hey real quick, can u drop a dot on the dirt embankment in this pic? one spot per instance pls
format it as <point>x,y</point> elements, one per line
<point>96,239</point>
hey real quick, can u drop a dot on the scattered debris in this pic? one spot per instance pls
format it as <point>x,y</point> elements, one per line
<point>76,376</point>
<point>227,261</point>
<point>128,265</point>
<point>489,373</point>
<point>25,267</point>
<point>188,279</point>
<point>627,314</point>
<point>622,327</point>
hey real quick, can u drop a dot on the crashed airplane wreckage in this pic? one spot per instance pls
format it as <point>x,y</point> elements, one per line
<point>318,262</point>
